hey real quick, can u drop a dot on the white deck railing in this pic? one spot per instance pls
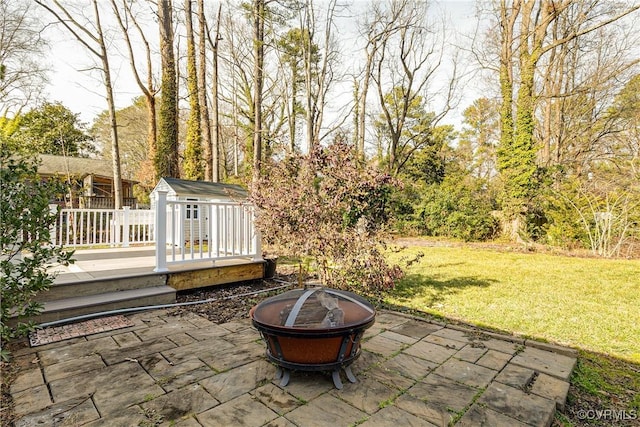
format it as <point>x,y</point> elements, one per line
<point>98,227</point>
<point>197,231</point>
<point>183,231</point>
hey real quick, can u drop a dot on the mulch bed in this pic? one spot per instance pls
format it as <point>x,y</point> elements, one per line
<point>231,302</point>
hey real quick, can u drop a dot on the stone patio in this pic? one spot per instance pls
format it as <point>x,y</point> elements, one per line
<point>187,371</point>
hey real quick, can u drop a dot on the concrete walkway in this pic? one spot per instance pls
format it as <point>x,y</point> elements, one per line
<point>186,371</point>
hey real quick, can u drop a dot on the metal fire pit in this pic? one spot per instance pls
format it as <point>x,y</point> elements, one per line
<point>315,329</point>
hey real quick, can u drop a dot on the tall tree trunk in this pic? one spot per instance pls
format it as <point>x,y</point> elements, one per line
<point>166,161</point>
<point>115,149</point>
<point>362,103</point>
<point>508,18</point>
<point>202,95</point>
<point>258,51</point>
<point>215,148</point>
<point>293,113</point>
<point>193,166</point>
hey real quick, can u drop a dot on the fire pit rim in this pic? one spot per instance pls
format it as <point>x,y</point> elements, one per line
<point>306,292</point>
<point>335,347</point>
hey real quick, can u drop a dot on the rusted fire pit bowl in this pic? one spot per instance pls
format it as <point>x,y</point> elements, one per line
<point>316,329</point>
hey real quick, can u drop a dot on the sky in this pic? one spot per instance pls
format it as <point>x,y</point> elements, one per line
<point>82,91</point>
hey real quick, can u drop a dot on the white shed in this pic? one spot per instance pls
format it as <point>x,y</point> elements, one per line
<point>181,189</point>
<point>196,217</point>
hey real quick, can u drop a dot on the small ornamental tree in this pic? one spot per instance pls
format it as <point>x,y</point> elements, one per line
<point>25,245</point>
<point>330,208</point>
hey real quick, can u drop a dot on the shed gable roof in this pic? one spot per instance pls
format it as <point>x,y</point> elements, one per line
<point>183,187</point>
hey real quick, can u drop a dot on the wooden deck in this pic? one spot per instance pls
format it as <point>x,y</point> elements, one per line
<point>103,280</point>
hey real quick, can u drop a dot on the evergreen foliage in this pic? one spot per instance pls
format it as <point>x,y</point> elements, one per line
<point>25,244</point>
<point>49,129</point>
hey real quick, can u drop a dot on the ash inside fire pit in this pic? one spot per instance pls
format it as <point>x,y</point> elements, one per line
<point>313,329</point>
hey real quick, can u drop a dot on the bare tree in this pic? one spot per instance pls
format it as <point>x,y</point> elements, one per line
<point>215,101</point>
<point>149,89</point>
<point>578,82</point>
<point>91,36</point>
<point>407,63</point>
<point>377,28</point>
<point>258,80</point>
<point>22,71</point>
<point>209,175</point>
<point>319,73</point>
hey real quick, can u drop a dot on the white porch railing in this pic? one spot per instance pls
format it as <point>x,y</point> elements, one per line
<point>97,227</point>
<point>197,231</point>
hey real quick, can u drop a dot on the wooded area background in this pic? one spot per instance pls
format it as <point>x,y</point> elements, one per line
<point>549,153</point>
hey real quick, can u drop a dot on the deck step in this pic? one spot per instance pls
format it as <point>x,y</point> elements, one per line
<point>59,291</point>
<point>89,304</point>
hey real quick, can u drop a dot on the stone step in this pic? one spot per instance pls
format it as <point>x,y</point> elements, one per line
<point>89,304</point>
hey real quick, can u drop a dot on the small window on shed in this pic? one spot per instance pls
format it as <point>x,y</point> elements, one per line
<point>192,210</point>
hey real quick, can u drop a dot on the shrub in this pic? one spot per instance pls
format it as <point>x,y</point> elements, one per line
<point>25,245</point>
<point>455,210</point>
<point>328,206</point>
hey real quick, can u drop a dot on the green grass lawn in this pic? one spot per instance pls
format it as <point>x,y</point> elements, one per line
<point>587,303</point>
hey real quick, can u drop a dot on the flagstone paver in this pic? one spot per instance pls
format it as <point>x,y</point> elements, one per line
<point>244,410</point>
<point>126,339</point>
<point>63,353</point>
<point>466,373</point>
<point>127,417</point>
<point>27,379</point>
<point>188,372</point>
<point>454,334</point>
<point>433,414</point>
<point>515,403</point>
<point>69,413</point>
<point>394,416</point>
<point>551,388</point>
<point>444,341</point>
<point>469,353</point>
<point>430,351</point>
<point>416,329</point>
<point>383,345</point>
<point>502,346</point>
<point>367,394</point>
<point>173,406</point>
<point>73,367</point>
<point>409,366</point>
<point>494,359</point>
<point>233,383</point>
<point>276,398</point>
<point>31,400</point>
<point>444,393</point>
<point>328,410</point>
<point>516,376</point>
<point>555,364</point>
<point>307,386</point>
<point>390,377</point>
<point>481,416</point>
